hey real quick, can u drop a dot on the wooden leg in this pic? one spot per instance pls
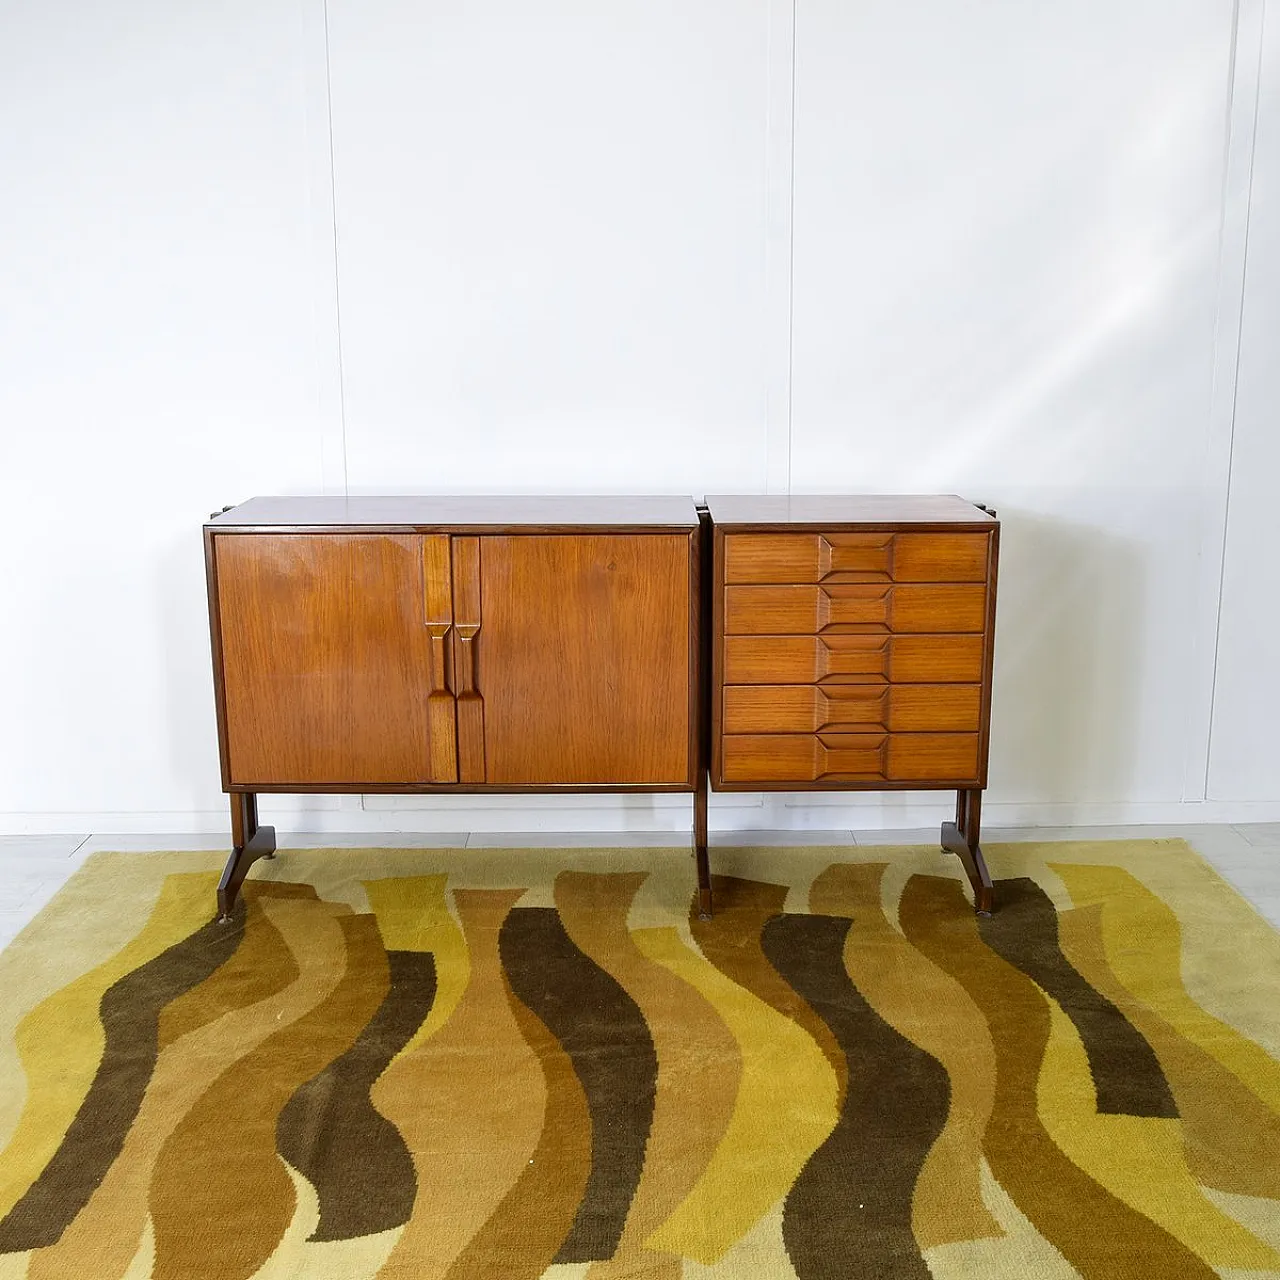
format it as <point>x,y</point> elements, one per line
<point>249,842</point>
<point>962,837</point>
<point>700,846</point>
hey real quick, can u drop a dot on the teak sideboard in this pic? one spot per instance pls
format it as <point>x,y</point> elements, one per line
<point>452,644</point>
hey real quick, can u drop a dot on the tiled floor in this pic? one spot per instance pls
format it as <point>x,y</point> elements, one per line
<point>33,868</point>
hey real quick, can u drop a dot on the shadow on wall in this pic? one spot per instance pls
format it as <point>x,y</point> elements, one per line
<point>1069,640</point>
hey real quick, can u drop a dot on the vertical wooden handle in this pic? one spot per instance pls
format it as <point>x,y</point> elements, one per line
<point>465,661</point>
<point>437,603</point>
<point>440,655</point>
<point>466,629</point>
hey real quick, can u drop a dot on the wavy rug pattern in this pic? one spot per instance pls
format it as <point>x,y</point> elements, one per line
<point>538,1063</point>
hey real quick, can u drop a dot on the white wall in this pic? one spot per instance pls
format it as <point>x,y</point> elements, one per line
<point>551,243</point>
<point>607,249</point>
<point>160,344</point>
<point>1245,761</point>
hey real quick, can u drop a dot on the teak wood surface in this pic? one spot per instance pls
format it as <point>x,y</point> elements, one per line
<point>383,644</point>
<point>400,645</point>
<point>852,643</point>
<point>584,659</point>
<point>327,659</point>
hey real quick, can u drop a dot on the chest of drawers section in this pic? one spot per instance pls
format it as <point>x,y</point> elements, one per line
<point>852,643</point>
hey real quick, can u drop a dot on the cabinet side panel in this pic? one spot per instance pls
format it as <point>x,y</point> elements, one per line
<point>584,659</point>
<point>326,658</point>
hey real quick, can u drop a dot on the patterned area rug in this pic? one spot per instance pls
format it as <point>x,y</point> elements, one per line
<point>525,1063</point>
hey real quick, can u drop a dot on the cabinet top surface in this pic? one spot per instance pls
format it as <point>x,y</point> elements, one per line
<point>837,509</point>
<point>454,512</point>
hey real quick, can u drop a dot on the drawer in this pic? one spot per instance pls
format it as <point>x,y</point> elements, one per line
<point>798,708</point>
<point>837,658</point>
<point>760,558</point>
<point>942,758</point>
<point>773,610</point>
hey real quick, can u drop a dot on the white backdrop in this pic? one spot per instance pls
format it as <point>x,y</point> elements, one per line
<point>1031,255</point>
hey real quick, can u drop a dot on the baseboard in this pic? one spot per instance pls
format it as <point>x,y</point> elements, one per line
<point>639,813</point>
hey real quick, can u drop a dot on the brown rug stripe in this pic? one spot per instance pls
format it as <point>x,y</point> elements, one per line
<point>931,1009</point>
<point>606,1037</point>
<point>1099,1235</point>
<point>389,1069</point>
<point>106,1234</point>
<point>469,1101</point>
<point>329,1131</point>
<point>699,1065</point>
<point>246,977</point>
<point>1126,1072</point>
<point>200,1176</point>
<point>848,1214</point>
<point>522,1236</point>
<point>130,1011</point>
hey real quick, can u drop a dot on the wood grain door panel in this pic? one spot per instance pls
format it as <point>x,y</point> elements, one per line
<point>932,757</point>
<point>839,658</point>
<point>803,757</point>
<point>583,659</point>
<point>833,758</point>
<point>763,558</point>
<point>335,658</point>
<point>770,610</point>
<point>852,708</point>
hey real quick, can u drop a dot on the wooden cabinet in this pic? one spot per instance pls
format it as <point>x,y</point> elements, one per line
<point>851,649</point>
<point>367,645</point>
<point>497,644</point>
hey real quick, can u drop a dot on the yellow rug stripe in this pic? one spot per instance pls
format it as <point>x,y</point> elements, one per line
<point>785,1108</point>
<point>60,1041</point>
<point>1144,948</point>
<point>1139,1159</point>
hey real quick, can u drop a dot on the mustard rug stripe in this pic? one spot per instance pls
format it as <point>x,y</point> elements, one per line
<point>761,1252</point>
<point>1138,1159</point>
<point>933,1011</point>
<point>60,1042</point>
<point>469,1102</point>
<point>1098,1234</point>
<point>785,1108</point>
<point>698,1065</point>
<point>70,936</point>
<point>1133,915</point>
<point>413,915</point>
<point>541,1065</point>
<point>732,942</point>
<point>526,1232</point>
<point>198,1176</point>
<point>1230,1139</point>
<point>245,978</point>
<point>130,1013</point>
<point>106,1234</point>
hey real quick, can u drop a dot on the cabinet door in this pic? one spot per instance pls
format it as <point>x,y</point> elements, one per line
<point>582,658</point>
<point>334,656</point>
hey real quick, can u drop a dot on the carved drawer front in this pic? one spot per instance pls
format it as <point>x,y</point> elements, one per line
<point>850,757</point>
<point>773,610</point>
<point>855,557</point>
<point>801,708</point>
<point>837,658</point>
